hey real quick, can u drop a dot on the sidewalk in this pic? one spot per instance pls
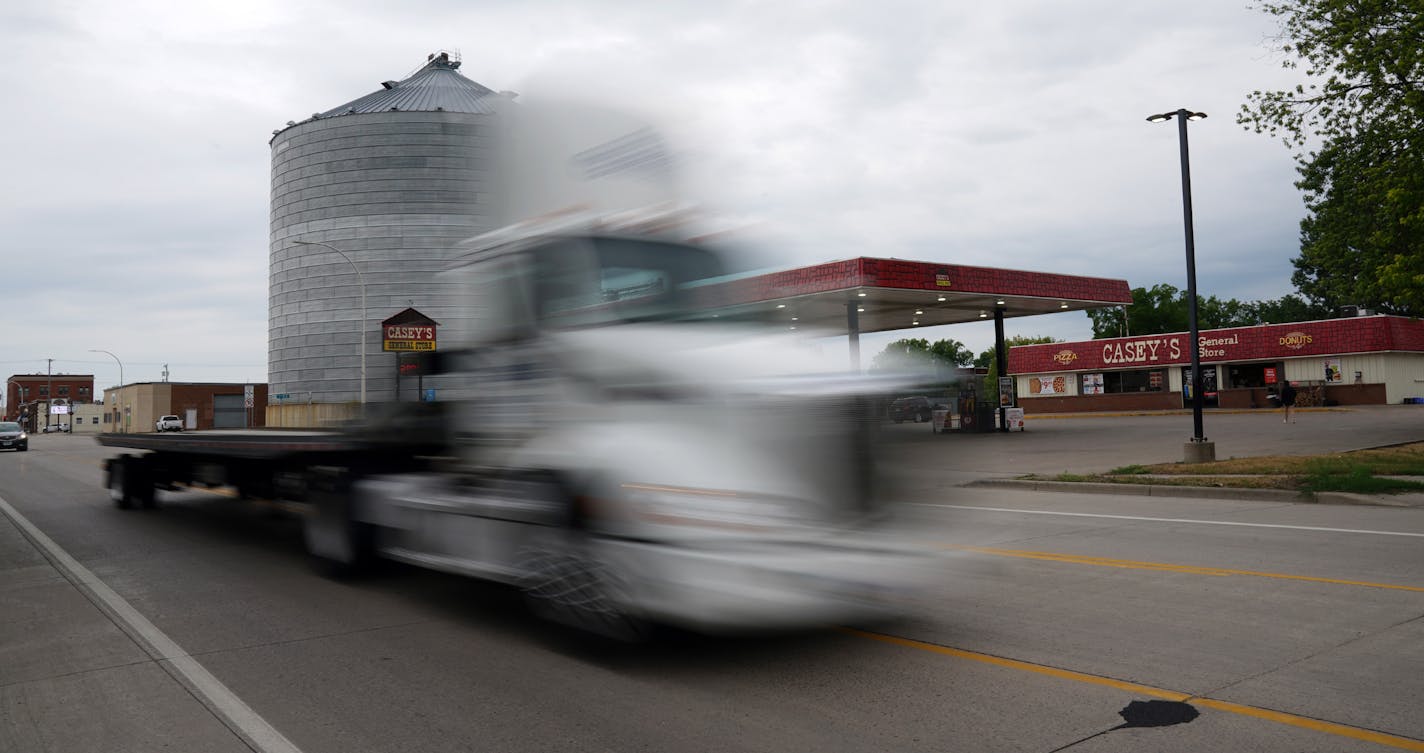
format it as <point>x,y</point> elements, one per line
<point>1095,443</point>
<point>73,679</point>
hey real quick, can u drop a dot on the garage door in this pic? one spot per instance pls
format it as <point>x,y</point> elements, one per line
<point>228,412</point>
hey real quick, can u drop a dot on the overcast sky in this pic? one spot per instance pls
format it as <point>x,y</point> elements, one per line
<point>135,210</point>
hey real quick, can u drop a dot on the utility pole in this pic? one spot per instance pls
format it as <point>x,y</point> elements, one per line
<point>49,389</point>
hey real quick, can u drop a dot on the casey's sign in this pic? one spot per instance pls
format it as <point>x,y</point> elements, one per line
<point>409,332</point>
<point>408,337</point>
<point>1142,351</point>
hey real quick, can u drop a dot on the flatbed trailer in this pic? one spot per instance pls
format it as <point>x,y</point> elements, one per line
<point>258,463</point>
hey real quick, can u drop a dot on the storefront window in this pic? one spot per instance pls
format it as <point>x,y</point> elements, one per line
<point>1251,375</point>
<point>1122,381</point>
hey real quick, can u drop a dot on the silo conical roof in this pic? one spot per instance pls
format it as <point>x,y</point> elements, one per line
<point>438,85</point>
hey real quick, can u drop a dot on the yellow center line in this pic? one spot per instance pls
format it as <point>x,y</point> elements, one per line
<point>1280,717</point>
<point>1077,559</point>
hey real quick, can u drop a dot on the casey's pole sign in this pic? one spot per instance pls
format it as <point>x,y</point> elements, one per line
<point>408,337</point>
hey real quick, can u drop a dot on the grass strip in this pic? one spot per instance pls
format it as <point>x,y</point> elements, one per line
<point>1359,472</point>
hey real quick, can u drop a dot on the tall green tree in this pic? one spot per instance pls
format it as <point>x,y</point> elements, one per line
<point>986,360</point>
<point>910,353</point>
<point>1287,308</point>
<point>1164,308</point>
<point>1362,241</point>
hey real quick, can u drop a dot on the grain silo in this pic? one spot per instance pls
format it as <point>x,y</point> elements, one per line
<point>391,181</point>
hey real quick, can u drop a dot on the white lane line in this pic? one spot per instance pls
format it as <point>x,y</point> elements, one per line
<point>1172,520</point>
<point>222,702</point>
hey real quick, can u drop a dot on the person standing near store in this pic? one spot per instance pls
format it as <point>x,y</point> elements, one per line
<point>1287,399</point>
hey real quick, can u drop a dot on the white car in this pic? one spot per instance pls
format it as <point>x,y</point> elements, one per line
<point>169,423</point>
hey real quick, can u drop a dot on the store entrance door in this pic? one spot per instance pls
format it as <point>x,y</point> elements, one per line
<point>1208,387</point>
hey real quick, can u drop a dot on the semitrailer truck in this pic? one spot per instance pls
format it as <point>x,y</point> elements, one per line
<point>606,441</point>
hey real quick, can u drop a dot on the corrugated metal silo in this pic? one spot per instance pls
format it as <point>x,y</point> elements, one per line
<point>392,180</point>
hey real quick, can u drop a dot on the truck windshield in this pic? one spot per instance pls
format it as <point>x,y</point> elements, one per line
<point>592,281</point>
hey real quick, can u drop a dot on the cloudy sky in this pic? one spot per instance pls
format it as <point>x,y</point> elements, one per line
<point>135,209</point>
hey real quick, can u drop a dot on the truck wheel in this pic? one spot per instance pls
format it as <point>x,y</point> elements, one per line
<point>565,583</point>
<point>340,546</point>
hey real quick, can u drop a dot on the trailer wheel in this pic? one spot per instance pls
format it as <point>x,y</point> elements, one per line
<point>130,483</point>
<point>340,546</point>
<point>118,479</point>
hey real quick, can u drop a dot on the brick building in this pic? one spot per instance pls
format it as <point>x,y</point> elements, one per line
<point>1369,360</point>
<point>134,408</point>
<point>26,394</point>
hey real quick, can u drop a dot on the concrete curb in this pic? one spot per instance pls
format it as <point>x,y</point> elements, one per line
<point>1177,412</point>
<point>1194,492</point>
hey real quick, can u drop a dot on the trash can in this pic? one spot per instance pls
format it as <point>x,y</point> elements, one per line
<point>940,420</point>
<point>984,416</point>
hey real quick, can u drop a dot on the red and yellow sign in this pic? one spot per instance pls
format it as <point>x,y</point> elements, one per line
<point>408,337</point>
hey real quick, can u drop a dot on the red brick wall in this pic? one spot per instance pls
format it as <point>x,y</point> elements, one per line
<point>1356,394</point>
<point>1115,402</point>
<point>200,397</point>
<point>1237,399</point>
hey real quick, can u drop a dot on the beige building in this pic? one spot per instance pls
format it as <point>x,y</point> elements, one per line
<point>87,418</point>
<point>135,408</point>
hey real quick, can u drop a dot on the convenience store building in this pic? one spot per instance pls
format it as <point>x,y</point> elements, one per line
<point>1369,360</point>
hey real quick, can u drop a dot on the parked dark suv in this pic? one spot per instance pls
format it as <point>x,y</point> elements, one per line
<point>915,409</point>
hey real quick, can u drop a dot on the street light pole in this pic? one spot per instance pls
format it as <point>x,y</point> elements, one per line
<point>361,280</point>
<point>121,375</point>
<point>1199,449</point>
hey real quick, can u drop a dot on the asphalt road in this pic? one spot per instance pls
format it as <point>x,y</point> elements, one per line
<point>1257,626</point>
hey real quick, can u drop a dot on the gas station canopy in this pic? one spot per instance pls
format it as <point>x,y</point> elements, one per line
<point>866,294</point>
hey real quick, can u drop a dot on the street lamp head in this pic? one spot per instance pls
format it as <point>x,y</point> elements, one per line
<point>1163,117</point>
